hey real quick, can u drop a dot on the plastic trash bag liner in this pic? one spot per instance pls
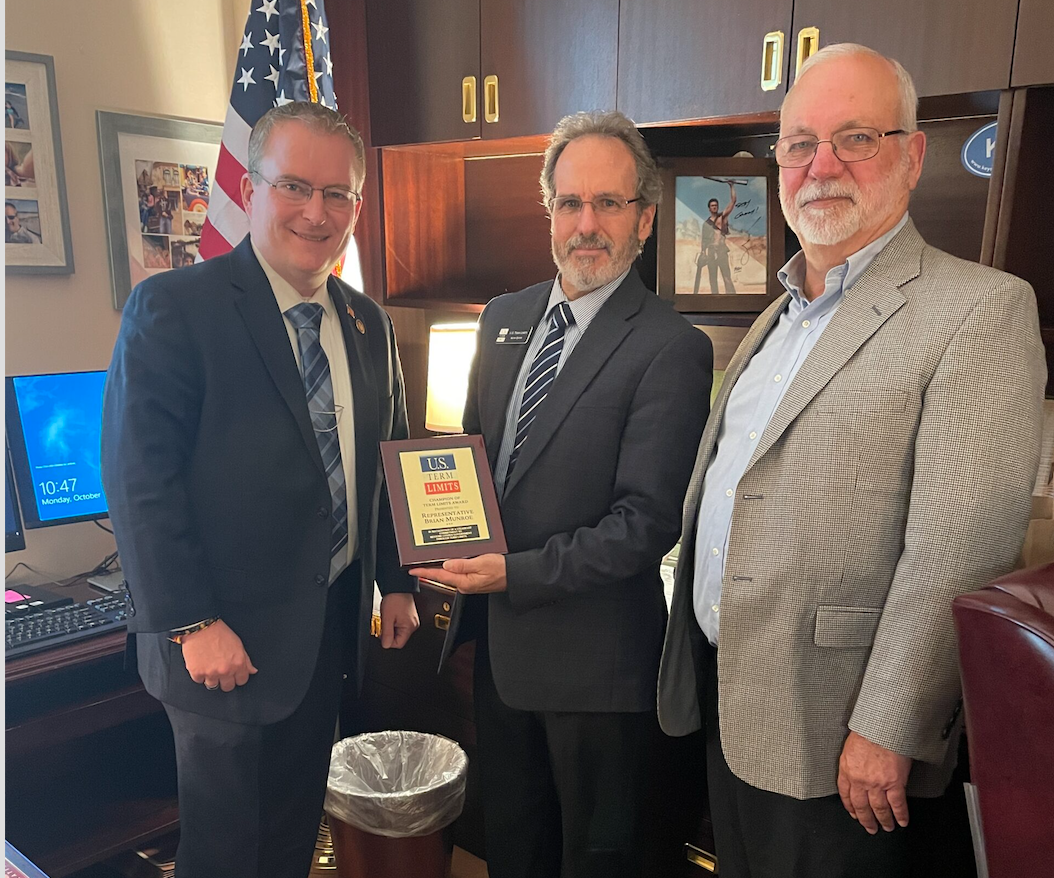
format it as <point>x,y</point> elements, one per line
<point>397,784</point>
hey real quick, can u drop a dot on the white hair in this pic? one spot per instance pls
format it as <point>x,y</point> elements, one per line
<point>908,99</point>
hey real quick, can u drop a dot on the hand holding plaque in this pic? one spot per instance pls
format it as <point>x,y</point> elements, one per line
<point>443,501</point>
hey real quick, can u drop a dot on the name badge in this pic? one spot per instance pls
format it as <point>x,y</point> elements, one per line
<point>513,336</point>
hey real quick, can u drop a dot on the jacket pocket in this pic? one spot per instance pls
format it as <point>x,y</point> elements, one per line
<point>846,627</point>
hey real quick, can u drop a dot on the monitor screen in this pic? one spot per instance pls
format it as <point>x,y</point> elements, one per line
<point>54,425</point>
<point>16,539</point>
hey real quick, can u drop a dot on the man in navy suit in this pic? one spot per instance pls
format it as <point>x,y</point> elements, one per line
<point>243,410</point>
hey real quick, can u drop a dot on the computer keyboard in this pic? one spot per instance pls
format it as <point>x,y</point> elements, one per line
<point>61,625</point>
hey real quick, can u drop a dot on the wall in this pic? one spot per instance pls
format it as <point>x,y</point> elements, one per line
<point>136,56</point>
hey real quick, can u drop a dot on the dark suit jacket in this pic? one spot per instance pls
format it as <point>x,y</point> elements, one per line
<point>593,503</point>
<point>216,489</point>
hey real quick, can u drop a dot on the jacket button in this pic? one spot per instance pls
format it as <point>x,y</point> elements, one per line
<point>320,579</point>
<point>323,512</point>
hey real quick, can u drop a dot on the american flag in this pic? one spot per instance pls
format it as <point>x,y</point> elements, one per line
<point>284,56</point>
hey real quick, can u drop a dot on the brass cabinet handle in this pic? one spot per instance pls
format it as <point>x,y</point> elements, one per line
<point>468,98</point>
<point>808,45</point>
<point>375,625</point>
<point>442,622</point>
<point>490,98</point>
<point>772,60</point>
<point>699,857</point>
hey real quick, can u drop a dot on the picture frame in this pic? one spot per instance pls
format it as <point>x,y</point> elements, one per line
<point>723,257</point>
<point>37,229</point>
<point>156,177</point>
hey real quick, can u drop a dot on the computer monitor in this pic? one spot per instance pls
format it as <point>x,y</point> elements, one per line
<point>54,426</point>
<point>16,539</point>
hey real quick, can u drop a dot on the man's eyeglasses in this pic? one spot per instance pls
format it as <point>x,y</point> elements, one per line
<point>851,145</point>
<point>299,192</point>
<point>571,205</point>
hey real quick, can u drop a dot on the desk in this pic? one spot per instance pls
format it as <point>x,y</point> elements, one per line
<point>90,763</point>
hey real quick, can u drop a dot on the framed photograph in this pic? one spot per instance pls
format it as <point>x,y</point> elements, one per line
<point>720,234</point>
<point>37,218</point>
<point>156,178</point>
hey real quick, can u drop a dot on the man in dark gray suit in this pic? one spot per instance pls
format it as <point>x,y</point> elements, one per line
<point>591,394</point>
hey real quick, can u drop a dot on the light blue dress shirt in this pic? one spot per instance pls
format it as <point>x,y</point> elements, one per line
<point>750,407</point>
<point>583,309</point>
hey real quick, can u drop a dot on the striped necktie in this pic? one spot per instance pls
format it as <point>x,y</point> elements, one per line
<point>318,387</point>
<point>541,376</point>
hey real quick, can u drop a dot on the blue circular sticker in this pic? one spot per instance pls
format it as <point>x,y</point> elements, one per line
<point>978,152</point>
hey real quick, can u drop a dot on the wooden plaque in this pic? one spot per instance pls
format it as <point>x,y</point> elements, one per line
<point>443,500</point>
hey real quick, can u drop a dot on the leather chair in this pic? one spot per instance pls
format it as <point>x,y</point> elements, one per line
<point>1006,651</point>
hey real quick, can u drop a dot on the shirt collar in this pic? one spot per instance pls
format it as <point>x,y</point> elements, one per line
<point>284,293</point>
<point>841,277</point>
<point>586,304</point>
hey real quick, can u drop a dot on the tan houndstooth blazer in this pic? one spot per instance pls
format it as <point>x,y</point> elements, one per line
<point>895,474</point>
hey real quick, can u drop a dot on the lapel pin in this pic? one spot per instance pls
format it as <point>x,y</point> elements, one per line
<point>359,325</point>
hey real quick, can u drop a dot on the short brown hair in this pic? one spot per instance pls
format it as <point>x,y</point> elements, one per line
<point>318,118</point>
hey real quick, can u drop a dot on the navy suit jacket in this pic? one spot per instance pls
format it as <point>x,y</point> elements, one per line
<point>216,489</point>
<point>593,503</point>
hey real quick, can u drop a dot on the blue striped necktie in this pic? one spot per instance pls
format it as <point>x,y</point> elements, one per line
<point>318,387</point>
<point>541,376</point>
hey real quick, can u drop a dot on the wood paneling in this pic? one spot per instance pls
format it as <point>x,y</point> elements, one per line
<point>506,226</point>
<point>948,46</point>
<point>551,59</point>
<point>685,59</point>
<point>1033,54</point>
<point>424,222</point>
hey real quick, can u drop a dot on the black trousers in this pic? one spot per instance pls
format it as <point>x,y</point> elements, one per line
<point>250,797</point>
<point>761,834</point>
<point>561,790</point>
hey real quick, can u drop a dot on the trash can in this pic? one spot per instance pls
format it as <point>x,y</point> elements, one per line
<point>390,796</point>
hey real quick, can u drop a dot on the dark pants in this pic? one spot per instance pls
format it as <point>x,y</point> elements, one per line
<point>561,791</point>
<point>760,834</point>
<point>250,797</point>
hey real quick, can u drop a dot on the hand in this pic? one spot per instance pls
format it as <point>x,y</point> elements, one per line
<point>215,656</point>
<point>480,575</point>
<point>398,619</point>
<point>872,783</point>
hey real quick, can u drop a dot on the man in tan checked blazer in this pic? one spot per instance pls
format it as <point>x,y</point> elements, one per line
<point>870,456</point>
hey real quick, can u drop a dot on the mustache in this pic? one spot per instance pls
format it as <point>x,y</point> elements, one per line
<point>825,189</point>
<point>589,242</point>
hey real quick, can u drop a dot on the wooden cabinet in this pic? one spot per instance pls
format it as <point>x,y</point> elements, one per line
<point>419,52</point>
<point>550,59</point>
<point>685,59</point>
<point>948,46</point>
<point>442,70</point>
<point>1033,58</point>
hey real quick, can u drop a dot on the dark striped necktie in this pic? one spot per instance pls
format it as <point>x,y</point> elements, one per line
<point>541,376</point>
<point>318,387</point>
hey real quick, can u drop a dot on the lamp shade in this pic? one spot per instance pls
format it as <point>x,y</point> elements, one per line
<point>451,347</point>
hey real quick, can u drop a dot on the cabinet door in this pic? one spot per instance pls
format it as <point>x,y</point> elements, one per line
<point>419,52</point>
<point>550,59</point>
<point>696,59</point>
<point>948,46</point>
<point>1033,58</point>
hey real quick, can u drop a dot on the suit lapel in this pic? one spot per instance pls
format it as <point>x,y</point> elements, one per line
<point>594,348</point>
<point>364,395</point>
<point>746,350</point>
<point>256,304</point>
<point>507,362</point>
<point>869,303</point>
